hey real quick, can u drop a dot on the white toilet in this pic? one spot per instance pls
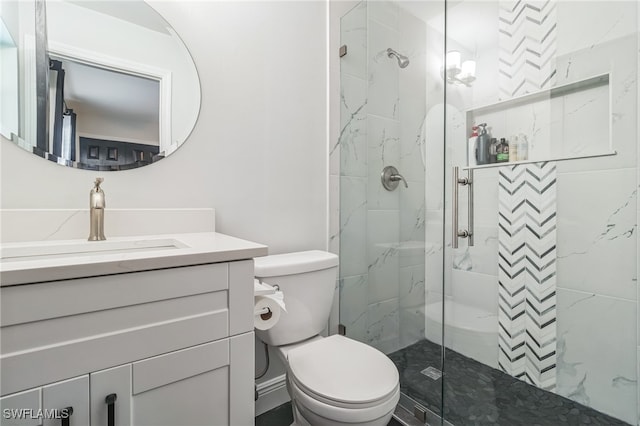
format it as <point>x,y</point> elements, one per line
<point>333,380</point>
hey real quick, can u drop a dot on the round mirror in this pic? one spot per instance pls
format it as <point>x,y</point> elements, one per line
<point>101,85</point>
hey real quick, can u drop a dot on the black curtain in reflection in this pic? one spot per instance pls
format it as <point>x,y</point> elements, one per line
<point>63,120</point>
<point>56,87</point>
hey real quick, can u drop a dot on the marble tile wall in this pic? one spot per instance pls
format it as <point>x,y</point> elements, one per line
<point>381,233</point>
<point>597,236</point>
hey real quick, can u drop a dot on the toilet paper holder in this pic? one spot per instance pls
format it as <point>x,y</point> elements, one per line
<point>265,313</point>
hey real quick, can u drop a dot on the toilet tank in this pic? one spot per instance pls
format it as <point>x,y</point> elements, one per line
<point>307,280</point>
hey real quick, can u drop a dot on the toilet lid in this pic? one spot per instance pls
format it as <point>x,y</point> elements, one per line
<point>343,370</point>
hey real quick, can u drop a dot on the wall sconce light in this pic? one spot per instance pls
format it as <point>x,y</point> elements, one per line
<point>456,73</point>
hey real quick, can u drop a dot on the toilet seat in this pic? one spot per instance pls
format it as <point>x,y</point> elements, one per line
<point>343,379</point>
<point>350,405</point>
<point>330,413</point>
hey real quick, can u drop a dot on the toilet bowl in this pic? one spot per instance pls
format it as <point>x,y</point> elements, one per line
<point>334,380</point>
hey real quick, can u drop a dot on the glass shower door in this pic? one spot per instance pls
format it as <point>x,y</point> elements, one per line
<point>382,178</point>
<point>539,288</point>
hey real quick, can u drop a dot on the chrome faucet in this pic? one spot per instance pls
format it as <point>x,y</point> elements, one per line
<point>96,212</point>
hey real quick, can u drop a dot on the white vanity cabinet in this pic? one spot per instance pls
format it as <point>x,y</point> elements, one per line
<point>175,346</point>
<point>187,387</point>
<point>65,402</point>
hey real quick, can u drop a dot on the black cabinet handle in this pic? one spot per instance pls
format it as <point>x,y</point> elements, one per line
<point>65,416</point>
<point>110,400</point>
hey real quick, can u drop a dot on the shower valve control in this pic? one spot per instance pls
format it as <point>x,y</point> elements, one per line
<point>391,178</point>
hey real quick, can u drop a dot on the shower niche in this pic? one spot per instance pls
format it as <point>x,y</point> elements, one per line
<point>568,121</point>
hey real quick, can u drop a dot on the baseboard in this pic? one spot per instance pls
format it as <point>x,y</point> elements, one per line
<point>271,394</point>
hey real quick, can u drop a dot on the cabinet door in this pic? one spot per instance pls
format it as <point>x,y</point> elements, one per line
<point>187,387</point>
<point>241,379</point>
<point>111,396</point>
<point>72,393</point>
<point>21,409</point>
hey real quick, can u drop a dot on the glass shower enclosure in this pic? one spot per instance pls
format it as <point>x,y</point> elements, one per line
<point>499,270</point>
<point>382,232</point>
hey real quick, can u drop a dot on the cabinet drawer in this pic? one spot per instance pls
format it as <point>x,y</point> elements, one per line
<point>60,298</point>
<point>164,369</point>
<point>47,364</point>
<point>59,331</point>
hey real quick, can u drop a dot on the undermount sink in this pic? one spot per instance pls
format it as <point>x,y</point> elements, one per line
<point>48,250</point>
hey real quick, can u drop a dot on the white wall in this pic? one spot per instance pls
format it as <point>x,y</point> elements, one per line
<point>258,151</point>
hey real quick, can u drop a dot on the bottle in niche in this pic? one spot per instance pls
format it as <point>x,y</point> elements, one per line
<point>523,147</point>
<point>493,151</point>
<point>513,148</point>
<point>503,151</point>
<point>471,151</point>
<point>483,144</point>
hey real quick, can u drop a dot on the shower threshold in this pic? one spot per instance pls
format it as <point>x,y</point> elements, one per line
<point>411,413</point>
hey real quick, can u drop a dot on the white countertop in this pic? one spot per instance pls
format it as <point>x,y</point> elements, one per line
<point>121,255</point>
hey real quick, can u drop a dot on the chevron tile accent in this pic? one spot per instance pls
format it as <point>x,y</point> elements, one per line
<point>527,273</point>
<point>527,46</point>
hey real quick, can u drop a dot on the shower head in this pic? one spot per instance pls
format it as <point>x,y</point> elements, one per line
<point>403,61</point>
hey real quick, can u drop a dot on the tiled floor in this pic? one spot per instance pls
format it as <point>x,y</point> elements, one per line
<point>282,416</point>
<point>476,394</point>
<point>279,416</point>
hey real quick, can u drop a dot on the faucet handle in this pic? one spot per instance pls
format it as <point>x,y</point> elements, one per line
<point>398,177</point>
<point>98,181</point>
<point>390,178</point>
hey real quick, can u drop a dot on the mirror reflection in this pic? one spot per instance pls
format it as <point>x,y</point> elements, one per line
<point>100,117</point>
<point>120,89</point>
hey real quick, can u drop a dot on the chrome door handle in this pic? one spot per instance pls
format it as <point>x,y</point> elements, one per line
<point>390,178</point>
<point>462,233</point>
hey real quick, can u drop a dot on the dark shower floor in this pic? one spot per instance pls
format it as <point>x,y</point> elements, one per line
<point>476,394</point>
